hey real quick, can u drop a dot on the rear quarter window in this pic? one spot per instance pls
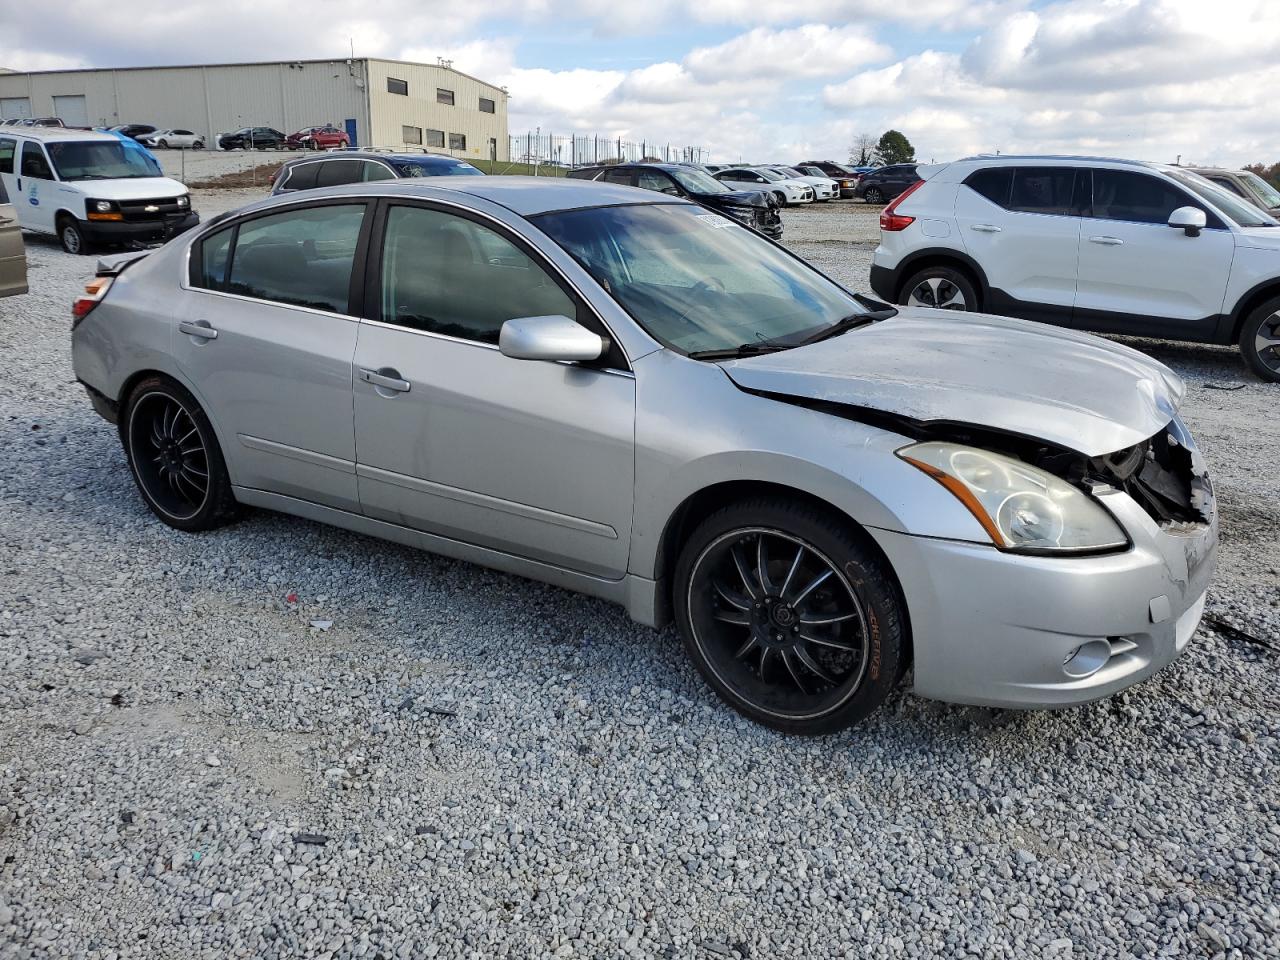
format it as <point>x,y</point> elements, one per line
<point>994,184</point>
<point>301,177</point>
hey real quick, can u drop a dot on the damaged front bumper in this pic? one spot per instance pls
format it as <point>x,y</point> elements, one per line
<point>1006,629</point>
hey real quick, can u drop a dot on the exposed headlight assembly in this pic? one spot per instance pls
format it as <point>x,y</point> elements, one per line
<point>1021,507</point>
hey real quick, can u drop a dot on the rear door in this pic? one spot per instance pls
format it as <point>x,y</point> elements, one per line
<point>1021,225</point>
<point>13,256</point>
<point>1139,275</point>
<point>267,338</point>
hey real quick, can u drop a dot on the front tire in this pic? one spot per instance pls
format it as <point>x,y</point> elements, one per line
<point>1260,341</point>
<point>790,615</point>
<point>71,236</point>
<point>163,144</point>
<point>175,458</point>
<point>941,288</point>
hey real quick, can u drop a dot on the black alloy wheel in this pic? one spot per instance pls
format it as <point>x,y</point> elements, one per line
<point>874,195</point>
<point>792,619</point>
<point>1260,341</point>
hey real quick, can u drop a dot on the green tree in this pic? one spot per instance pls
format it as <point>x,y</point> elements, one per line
<point>894,148</point>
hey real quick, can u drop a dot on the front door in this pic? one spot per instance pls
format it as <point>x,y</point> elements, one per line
<point>1020,223</point>
<point>528,457</point>
<point>36,195</point>
<point>268,338</point>
<point>1139,275</point>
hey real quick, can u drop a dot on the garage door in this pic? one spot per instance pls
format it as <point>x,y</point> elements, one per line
<point>72,110</point>
<point>14,108</point>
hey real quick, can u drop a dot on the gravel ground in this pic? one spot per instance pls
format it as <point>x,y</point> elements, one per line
<point>284,740</point>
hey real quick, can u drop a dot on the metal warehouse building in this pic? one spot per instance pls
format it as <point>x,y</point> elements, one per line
<point>379,102</point>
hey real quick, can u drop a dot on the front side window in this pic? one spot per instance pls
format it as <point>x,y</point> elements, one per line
<point>696,280</point>
<point>34,165</point>
<point>1134,197</point>
<point>371,171</point>
<point>656,180</point>
<point>457,141</point>
<point>300,257</point>
<point>445,274</point>
<point>102,160</point>
<point>398,87</point>
<point>696,181</point>
<point>486,105</point>
<point>435,138</point>
<point>444,96</point>
<point>411,134</point>
<point>1044,190</point>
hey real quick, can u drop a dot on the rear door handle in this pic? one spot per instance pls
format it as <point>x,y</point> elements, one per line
<point>1107,241</point>
<point>198,328</point>
<point>390,380</point>
<point>986,228</point>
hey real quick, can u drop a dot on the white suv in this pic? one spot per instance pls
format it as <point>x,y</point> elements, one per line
<point>1115,246</point>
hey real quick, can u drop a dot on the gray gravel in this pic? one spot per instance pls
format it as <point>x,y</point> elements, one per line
<point>283,740</point>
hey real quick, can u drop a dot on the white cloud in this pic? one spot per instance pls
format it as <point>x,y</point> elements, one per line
<point>811,50</point>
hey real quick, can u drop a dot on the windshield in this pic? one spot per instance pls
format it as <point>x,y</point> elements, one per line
<point>1245,214</point>
<point>812,172</point>
<point>696,181</point>
<point>771,175</point>
<point>101,160</point>
<point>790,172</point>
<point>1265,191</point>
<point>696,280</point>
<point>415,168</point>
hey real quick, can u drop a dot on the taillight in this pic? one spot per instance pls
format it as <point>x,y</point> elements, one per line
<point>890,219</point>
<point>94,291</point>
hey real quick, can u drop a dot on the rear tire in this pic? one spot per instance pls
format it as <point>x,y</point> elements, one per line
<point>1260,341</point>
<point>174,457</point>
<point>163,144</point>
<point>942,288</point>
<point>812,645</point>
<point>874,195</point>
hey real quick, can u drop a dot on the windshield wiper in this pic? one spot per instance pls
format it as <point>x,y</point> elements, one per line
<point>742,350</point>
<point>845,324</point>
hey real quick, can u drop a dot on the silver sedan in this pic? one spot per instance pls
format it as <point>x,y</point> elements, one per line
<point>630,396</point>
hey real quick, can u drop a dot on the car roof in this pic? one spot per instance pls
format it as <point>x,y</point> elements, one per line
<point>1001,159</point>
<point>526,196</point>
<point>1227,170</point>
<point>60,133</point>
<point>435,159</point>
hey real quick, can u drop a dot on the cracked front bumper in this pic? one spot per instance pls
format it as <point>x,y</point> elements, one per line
<point>996,629</point>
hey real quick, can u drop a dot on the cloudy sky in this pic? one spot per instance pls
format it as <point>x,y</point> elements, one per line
<point>1149,79</point>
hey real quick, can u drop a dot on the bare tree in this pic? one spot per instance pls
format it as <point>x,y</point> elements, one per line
<point>863,151</point>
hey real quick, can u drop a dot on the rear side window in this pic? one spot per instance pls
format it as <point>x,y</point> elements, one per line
<point>302,177</point>
<point>994,183</point>
<point>300,257</point>
<point>8,147</point>
<point>1135,197</point>
<point>1045,190</point>
<point>336,172</point>
<point>617,176</point>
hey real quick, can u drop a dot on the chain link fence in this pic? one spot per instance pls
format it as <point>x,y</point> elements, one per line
<point>576,149</point>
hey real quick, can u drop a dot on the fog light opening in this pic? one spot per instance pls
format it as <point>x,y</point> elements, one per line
<point>1086,659</point>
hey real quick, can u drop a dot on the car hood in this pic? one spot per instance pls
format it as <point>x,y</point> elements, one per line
<point>132,188</point>
<point>742,198</point>
<point>1069,389</point>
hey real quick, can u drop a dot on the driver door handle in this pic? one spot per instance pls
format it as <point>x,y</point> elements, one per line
<point>986,228</point>
<point>387,381</point>
<point>1107,241</point>
<point>198,328</point>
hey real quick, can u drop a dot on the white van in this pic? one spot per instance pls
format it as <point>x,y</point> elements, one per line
<point>87,188</point>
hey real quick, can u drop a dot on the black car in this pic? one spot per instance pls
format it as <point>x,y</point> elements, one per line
<point>358,166</point>
<point>754,208</point>
<point>253,138</point>
<point>134,131</point>
<point>885,183</point>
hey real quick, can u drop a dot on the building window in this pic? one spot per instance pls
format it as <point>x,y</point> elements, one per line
<point>435,138</point>
<point>457,141</point>
<point>486,106</point>
<point>444,96</point>
<point>411,134</point>
<point>397,86</point>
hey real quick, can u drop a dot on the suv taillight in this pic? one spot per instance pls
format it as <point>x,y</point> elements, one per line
<point>94,291</point>
<point>890,219</point>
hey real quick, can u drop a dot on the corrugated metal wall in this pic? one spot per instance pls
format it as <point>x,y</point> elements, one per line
<point>392,112</point>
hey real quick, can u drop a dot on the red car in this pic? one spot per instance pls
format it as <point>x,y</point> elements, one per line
<point>318,138</point>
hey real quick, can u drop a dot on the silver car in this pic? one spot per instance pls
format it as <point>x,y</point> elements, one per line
<point>628,395</point>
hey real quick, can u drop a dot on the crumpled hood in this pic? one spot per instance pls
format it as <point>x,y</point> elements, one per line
<point>1070,389</point>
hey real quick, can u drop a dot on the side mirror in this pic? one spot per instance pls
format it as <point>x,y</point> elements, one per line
<point>1189,219</point>
<point>549,338</point>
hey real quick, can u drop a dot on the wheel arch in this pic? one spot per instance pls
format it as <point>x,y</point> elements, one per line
<point>700,504</point>
<point>130,382</point>
<point>1250,301</point>
<point>942,257</point>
